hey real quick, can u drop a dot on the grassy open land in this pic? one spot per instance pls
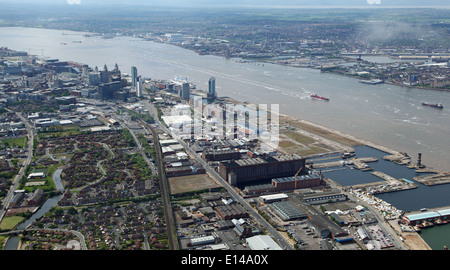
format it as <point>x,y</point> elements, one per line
<point>16,142</point>
<point>9,223</point>
<point>296,143</point>
<point>188,183</point>
<point>300,138</point>
<point>320,131</point>
<point>60,131</point>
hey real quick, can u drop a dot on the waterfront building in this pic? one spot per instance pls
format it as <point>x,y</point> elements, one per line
<point>185,91</point>
<point>428,216</point>
<point>104,75</point>
<point>212,89</point>
<point>174,37</point>
<point>139,86</point>
<point>134,76</point>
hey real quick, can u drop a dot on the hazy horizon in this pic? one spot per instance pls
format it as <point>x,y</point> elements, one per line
<point>246,3</point>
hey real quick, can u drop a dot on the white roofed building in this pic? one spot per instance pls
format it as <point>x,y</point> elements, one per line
<point>262,242</point>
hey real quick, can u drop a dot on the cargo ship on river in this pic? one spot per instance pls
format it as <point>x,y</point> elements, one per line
<point>438,105</point>
<point>319,97</point>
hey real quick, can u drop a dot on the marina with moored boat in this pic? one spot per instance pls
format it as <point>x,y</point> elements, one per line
<point>427,219</point>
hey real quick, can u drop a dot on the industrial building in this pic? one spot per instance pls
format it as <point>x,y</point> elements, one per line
<point>260,189</point>
<point>233,211</point>
<point>36,198</point>
<point>264,167</point>
<point>17,199</point>
<point>199,241</point>
<point>168,142</point>
<point>242,230</point>
<point>288,211</point>
<point>325,198</point>
<point>222,154</point>
<point>301,181</point>
<point>326,228</point>
<point>274,198</point>
<point>262,242</point>
<point>177,121</point>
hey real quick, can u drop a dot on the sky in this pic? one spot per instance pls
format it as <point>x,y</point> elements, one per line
<point>211,3</point>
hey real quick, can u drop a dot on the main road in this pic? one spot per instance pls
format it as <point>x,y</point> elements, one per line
<point>272,231</point>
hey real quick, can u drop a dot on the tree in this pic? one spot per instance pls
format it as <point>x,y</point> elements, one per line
<point>72,211</point>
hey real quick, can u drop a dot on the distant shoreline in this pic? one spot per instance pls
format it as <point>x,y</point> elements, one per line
<point>269,62</point>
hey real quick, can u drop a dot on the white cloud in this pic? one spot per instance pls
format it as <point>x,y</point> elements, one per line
<point>371,2</point>
<point>74,2</point>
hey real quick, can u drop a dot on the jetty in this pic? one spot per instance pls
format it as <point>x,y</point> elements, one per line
<point>399,158</point>
<point>359,163</point>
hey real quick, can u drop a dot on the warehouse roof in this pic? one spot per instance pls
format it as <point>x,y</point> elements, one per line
<point>262,160</point>
<point>262,242</point>
<point>429,214</point>
<point>299,178</point>
<point>288,210</point>
<point>444,212</point>
<point>424,215</point>
<point>274,197</point>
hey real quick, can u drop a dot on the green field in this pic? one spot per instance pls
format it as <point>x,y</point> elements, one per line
<point>16,142</point>
<point>9,223</point>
